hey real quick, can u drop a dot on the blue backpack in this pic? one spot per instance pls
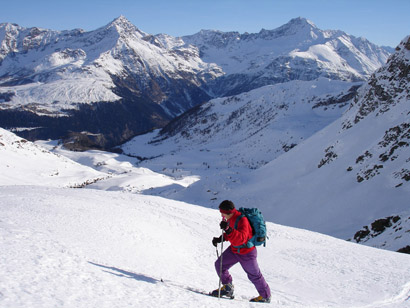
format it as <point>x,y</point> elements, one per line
<point>258,225</point>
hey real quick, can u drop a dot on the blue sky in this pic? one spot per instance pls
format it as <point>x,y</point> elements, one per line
<point>383,22</point>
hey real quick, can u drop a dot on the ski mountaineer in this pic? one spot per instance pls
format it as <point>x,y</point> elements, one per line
<point>245,256</point>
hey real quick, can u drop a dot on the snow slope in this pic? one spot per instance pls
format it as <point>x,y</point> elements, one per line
<point>327,199</point>
<point>121,172</point>
<point>387,233</point>
<point>23,162</point>
<point>89,248</point>
<point>266,122</point>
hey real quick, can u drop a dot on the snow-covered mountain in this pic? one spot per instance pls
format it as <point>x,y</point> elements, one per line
<point>297,50</point>
<point>343,174</point>
<point>91,67</point>
<point>267,122</point>
<point>118,81</point>
<point>122,80</point>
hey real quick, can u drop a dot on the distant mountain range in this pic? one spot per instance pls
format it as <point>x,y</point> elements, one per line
<point>297,50</point>
<point>100,88</point>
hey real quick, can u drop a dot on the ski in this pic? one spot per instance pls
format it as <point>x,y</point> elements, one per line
<point>208,293</point>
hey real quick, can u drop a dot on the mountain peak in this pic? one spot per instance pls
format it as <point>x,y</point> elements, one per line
<point>296,24</point>
<point>301,21</point>
<point>121,20</point>
<point>293,27</point>
<point>122,25</point>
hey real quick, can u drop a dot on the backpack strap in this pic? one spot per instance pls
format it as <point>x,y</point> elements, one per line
<point>237,221</point>
<point>236,228</point>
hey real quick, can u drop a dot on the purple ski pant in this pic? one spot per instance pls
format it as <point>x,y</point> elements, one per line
<point>250,266</point>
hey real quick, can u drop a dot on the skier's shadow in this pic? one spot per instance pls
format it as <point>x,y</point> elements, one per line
<point>122,273</point>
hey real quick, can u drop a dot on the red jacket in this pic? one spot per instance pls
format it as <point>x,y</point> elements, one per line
<point>240,235</point>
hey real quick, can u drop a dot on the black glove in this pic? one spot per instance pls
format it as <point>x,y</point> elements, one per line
<point>225,226</point>
<point>216,240</point>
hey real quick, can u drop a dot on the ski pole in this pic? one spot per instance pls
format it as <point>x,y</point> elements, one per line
<point>220,266</point>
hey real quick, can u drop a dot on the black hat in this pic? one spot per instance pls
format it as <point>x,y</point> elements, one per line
<point>226,207</point>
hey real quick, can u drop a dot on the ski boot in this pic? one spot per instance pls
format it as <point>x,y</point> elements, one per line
<point>260,299</point>
<point>226,291</point>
